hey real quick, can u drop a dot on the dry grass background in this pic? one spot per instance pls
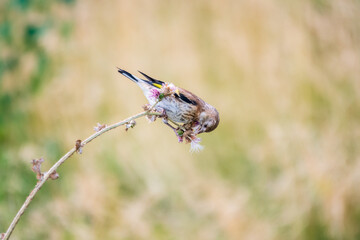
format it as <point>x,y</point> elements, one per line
<point>283,163</point>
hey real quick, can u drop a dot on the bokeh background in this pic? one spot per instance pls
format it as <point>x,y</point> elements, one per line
<point>283,163</point>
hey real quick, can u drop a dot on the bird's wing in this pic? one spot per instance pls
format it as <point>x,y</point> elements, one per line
<point>185,99</point>
<point>189,98</point>
<point>184,95</point>
<point>152,81</point>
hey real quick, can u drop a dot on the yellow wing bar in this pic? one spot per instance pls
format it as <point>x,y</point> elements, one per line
<point>157,85</point>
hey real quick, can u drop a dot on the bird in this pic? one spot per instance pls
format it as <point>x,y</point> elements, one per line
<point>181,107</point>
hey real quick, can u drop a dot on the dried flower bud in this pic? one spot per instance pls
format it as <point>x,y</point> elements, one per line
<point>187,135</point>
<point>54,175</point>
<point>78,146</point>
<point>151,118</point>
<point>168,89</point>
<point>99,127</point>
<point>36,167</point>
<point>190,137</point>
<point>146,107</point>
<point>130,124</point>
<point>2,235</point>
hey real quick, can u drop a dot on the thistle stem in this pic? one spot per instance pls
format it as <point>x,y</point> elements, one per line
<point>46,176</point>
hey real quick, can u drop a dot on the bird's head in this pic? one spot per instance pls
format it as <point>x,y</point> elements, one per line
<point>208,120</point>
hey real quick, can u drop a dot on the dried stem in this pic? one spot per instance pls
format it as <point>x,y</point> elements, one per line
<point>46,176</point>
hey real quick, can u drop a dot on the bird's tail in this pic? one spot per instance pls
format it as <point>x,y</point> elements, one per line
<point>129,75</point>
<point>152,82</point>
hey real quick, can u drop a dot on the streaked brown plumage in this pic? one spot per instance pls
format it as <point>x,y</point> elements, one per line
<point>181,107</point>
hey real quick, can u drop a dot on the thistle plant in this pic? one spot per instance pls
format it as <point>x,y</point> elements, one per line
<point>150,111</point>
<point>79,145</point>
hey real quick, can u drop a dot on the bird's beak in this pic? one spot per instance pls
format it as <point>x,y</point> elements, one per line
<point>201,130</point>
<point>197,129</point>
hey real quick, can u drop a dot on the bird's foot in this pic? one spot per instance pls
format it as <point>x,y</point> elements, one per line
<point>165,121</point>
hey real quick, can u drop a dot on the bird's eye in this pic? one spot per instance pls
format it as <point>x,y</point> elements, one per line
<point>205,126</point>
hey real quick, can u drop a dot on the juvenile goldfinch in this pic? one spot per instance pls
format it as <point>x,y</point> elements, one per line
<point>182,106</point>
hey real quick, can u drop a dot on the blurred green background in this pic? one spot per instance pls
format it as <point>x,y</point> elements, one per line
<point>283,163</point>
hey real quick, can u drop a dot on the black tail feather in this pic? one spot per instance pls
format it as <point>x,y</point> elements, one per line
<point>127,74</point>
<point>151,79</point>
